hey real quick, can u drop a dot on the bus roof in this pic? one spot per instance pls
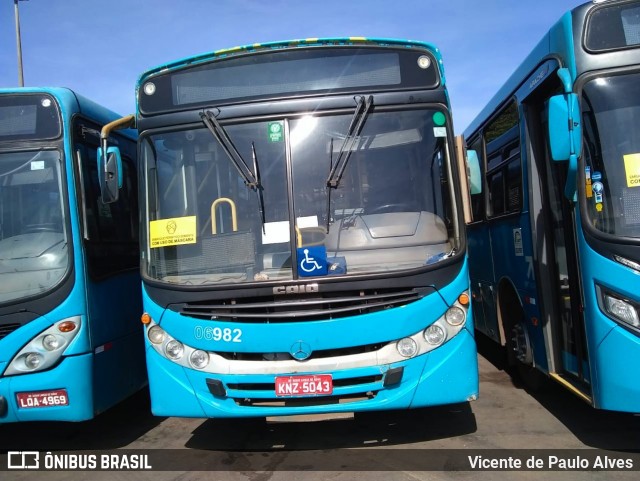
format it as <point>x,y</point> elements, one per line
<point>558,38</point>
<point>296,43</point>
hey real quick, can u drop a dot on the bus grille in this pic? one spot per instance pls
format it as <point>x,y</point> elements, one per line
<point>263,394</point>
<point>293,308</point>
<point>348,382</point>
<point>8,329</point>
<point>305,401</point>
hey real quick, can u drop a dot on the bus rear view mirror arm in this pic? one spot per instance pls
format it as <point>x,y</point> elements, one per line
<point>110,161</point>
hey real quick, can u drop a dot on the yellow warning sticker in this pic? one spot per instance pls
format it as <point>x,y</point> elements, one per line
<point>632,169</point>
<point>172,232</point>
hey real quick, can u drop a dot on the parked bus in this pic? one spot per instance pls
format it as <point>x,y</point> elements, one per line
<point>303,246</point>
<point>554,245</point>
<point>70,300</point>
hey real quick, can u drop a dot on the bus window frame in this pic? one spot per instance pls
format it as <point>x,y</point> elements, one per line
<point>503,165</point>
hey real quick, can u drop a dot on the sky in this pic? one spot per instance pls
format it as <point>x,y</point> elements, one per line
<point>100,47</point>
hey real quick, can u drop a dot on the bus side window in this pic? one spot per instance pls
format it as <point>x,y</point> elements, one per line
<point>504,170</point>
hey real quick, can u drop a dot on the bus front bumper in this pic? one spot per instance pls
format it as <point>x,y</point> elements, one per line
<point>448,374</point>
<point>72,376</point>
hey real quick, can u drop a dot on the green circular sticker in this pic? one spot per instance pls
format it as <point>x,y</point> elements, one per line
<point>439,119</point>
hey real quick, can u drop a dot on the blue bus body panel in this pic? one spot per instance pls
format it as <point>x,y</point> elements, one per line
<point>75,374</point>
<point>481,273</point>
<point>325,334</point>
<point>447,374</point>
<point>614,352</point>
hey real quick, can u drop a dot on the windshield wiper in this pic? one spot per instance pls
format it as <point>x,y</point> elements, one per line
<point>210,120</point>
<point>355,127</point>
<point>258,189</point>
<point>363,107</point>
<point>250,179</point>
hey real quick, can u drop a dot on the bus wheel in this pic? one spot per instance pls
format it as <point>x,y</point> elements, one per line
<point>520,344</point>
<point>520,355</point>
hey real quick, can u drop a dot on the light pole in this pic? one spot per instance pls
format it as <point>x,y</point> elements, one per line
<point>18,43</point>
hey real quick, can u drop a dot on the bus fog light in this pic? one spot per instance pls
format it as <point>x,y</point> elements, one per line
<point>50,342</point>
<point>407,347</point>
<point>434,335</point>
<point>174,350</point>
<point>156,335</point>
<point>455,316</point>
<point>199,359</point>
<point>33,360</point>
<point>621,310</point>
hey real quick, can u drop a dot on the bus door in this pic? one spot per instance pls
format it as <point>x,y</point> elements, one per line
<point>556,252</point>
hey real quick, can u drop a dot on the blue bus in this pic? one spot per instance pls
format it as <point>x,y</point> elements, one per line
<point>70,301</point>
<point>554,245</point>
<point>302,242</point>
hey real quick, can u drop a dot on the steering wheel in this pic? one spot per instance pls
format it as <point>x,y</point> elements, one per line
<point>386,208</point>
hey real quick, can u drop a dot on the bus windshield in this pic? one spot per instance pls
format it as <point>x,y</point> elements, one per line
<point>391,209</point>
<point>611,110</point>
<point>33,242</point>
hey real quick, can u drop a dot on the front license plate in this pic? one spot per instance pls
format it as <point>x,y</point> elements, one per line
<point>313,385</point>
<point>42,399</point>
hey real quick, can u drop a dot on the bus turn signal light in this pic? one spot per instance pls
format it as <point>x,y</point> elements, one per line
<point>463,299</point>
<point>145,318</point>
<point>66,326</point>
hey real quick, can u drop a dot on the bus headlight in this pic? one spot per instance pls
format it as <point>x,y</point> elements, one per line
<point>33,360</point>
<point>455,316</point>
<point>174,349</point>
<point>50,342</point>
<point>434,335</point>
<point>45,350</point>
<point>156,334</point>
<point>407,347</point>
<point>199,359</point>
<point>621,310</point>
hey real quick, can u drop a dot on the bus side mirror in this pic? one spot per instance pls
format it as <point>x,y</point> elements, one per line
<point>109,173</point>
<point>565,136</point>
<point>565,130</point>
<point>475,179</point>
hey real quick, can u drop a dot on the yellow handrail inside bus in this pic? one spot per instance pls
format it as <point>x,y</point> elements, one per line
<point>234,216</point>
<point>309,229</point>
<point>298,237</point>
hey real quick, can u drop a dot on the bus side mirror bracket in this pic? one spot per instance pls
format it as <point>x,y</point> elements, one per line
<point>110,161</point>
<point>475,179</point>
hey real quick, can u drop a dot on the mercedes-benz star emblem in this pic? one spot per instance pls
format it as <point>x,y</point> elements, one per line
<point>300,351</point>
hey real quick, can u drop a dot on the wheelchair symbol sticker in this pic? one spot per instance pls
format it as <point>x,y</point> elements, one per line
<point>312,261</point>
